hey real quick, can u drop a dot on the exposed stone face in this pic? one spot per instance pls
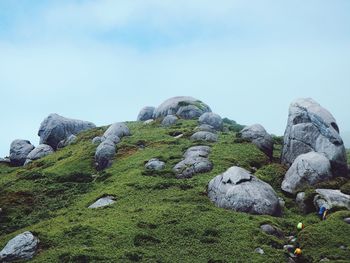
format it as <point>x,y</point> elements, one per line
<point>211,119</point>
<point>308,169</point>
<point>257,135</point>
<point>310,127</point>
<point>183,107</point>
<point>56,128</point>
<point>19,150</point>
<point>239,190</point>
<point>146,113</point>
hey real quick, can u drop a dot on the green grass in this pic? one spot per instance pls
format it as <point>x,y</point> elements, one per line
<point>156,217</point>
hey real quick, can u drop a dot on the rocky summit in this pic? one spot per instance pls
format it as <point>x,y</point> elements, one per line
<point>179,184</point>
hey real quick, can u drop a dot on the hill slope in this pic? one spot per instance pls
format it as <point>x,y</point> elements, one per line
<point>156,217</point>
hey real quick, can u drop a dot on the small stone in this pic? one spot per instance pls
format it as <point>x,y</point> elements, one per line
<point>155,165</point>
<point>102,202</point>
<point>271,230</point>
<point>347,220</point>
<point>259,251</point>
<point>289,248</point>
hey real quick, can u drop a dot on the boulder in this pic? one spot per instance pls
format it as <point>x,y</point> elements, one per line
<point>204,136</point>
<point>259,250</point>
<point>38,152</point>
<point>212,119</point>
<point>21,247</point>
<point>239,190</point>
<point>68,141</point>
<point>257,135</point>
<point>5,160</point>
<point>118,129</point>
<point>56,128</point>
<point>155,165</point>
<point>148,122</point>
<point>272,230</point>
<point>104,154</point>
<point>197,151</point>
<point>183,107</point>
<point>347,220</point>
<point>19,151</point>
<point>205,127</point>
<point>169,120</point>
<point>97,140</point>
<point>146,113</point>
<point>301,201</point>
<point>308,169</point>
<point>102,202</point>
<point>310,127</point>
<point>330,198</point>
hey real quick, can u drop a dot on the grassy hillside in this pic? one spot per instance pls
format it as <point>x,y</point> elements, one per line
<point>156,217</point>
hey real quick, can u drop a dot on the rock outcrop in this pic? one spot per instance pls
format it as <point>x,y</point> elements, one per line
<point>19,151</point>
<point>310,127</point>
<point>38,152</point>
<point>56,128</point>
<point>239,190</point>
<point>308,169</point>
<point>146,113</point>
<point>183,107</point>
<point>257,135</point>
<point>212,119</point>
<point>21,247</point>
<point>330,198</point>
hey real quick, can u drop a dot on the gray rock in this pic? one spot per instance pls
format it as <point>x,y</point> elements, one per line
<point>97,140</point>
<point>104,154</point>
<point>118,129</point>
<point>5,160</point>
<point>102,202</point>
<point>148,122</point>
<point>259,251</point>
<point>155,165</point>
<point>257,135</point>
<point>169,120</point>
<point>21,247</point>
<point>56,128</point>
<point>300,200</point>
<point>38,152</point>
<point>68,141</point>
<point>324,260</point>
<point>347,220</point>
<point>330,198</point>
<point>197,151</point>
<point>282,202</point>
<point>146,113</point>
<point>204,136</point>
<point>307,169</point>
<point>312,128</point>
<point>271,230</point>
<point>184,107</point>
<point>239,190</point>
<point>211,119</point>
<point>19,151</point>
<point>205,127</point>
<point>289,248</point>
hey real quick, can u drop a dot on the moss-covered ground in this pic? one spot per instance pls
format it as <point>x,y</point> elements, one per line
<point>156,218</point>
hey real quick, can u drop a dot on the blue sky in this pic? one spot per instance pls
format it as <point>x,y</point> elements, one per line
<point>104,60</point>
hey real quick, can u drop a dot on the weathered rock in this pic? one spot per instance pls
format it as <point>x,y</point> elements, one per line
<point>204,136</point>
<point>197,151</point>
<point>312,128</point>
<point>146,113</point>
<point>271,230</point>
<point>118,129</point>
<point>307,169</point>
<point>169,120</point>
<point>104,154</point>
<point>155,165</point>
<point>68,141</point>
<point>259,250</point>
<point>211,119</point>
<point>239,190</point>
<point>56,128</point>
<point>300,200</point>
<point>19,151</point>
<point>21,247</point>
<point>38,152</point>
<point>330,198</point>
<point>102,202</point>
<point>97,140</point>
<point>347,220</point>
<point>205,127</point>
<point>257,135</point>
<point>184,107</point>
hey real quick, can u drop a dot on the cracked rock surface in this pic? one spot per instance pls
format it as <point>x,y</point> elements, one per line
<point>310,127</point>
<point>239,190</point>
<point>331,198</point>
<point>307,169</point>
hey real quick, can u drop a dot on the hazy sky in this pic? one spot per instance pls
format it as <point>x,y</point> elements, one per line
<point>103,60</point>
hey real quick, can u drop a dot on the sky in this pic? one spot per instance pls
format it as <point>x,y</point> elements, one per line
<point>104,60</point>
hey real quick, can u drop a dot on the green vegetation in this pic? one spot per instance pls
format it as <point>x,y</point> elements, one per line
<point>156,217</point>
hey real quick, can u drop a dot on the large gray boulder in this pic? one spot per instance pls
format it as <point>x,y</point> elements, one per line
<point>239,190</point>
<point>195,161</point>
<point>19,151</point>
<point>257,135</point>
<point>38,152</point>
<point>211,119</point>
<point>56,128</point>
<point>104,154</point>
<point>183,107</point>
<point>204,136</point>
<point>310,127</point>
<point>169,120</point>
<point>308,169</point>
<point>21,247</point>
<point>146,113</point>
<point>118,129</point>
<point>330,198</point>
